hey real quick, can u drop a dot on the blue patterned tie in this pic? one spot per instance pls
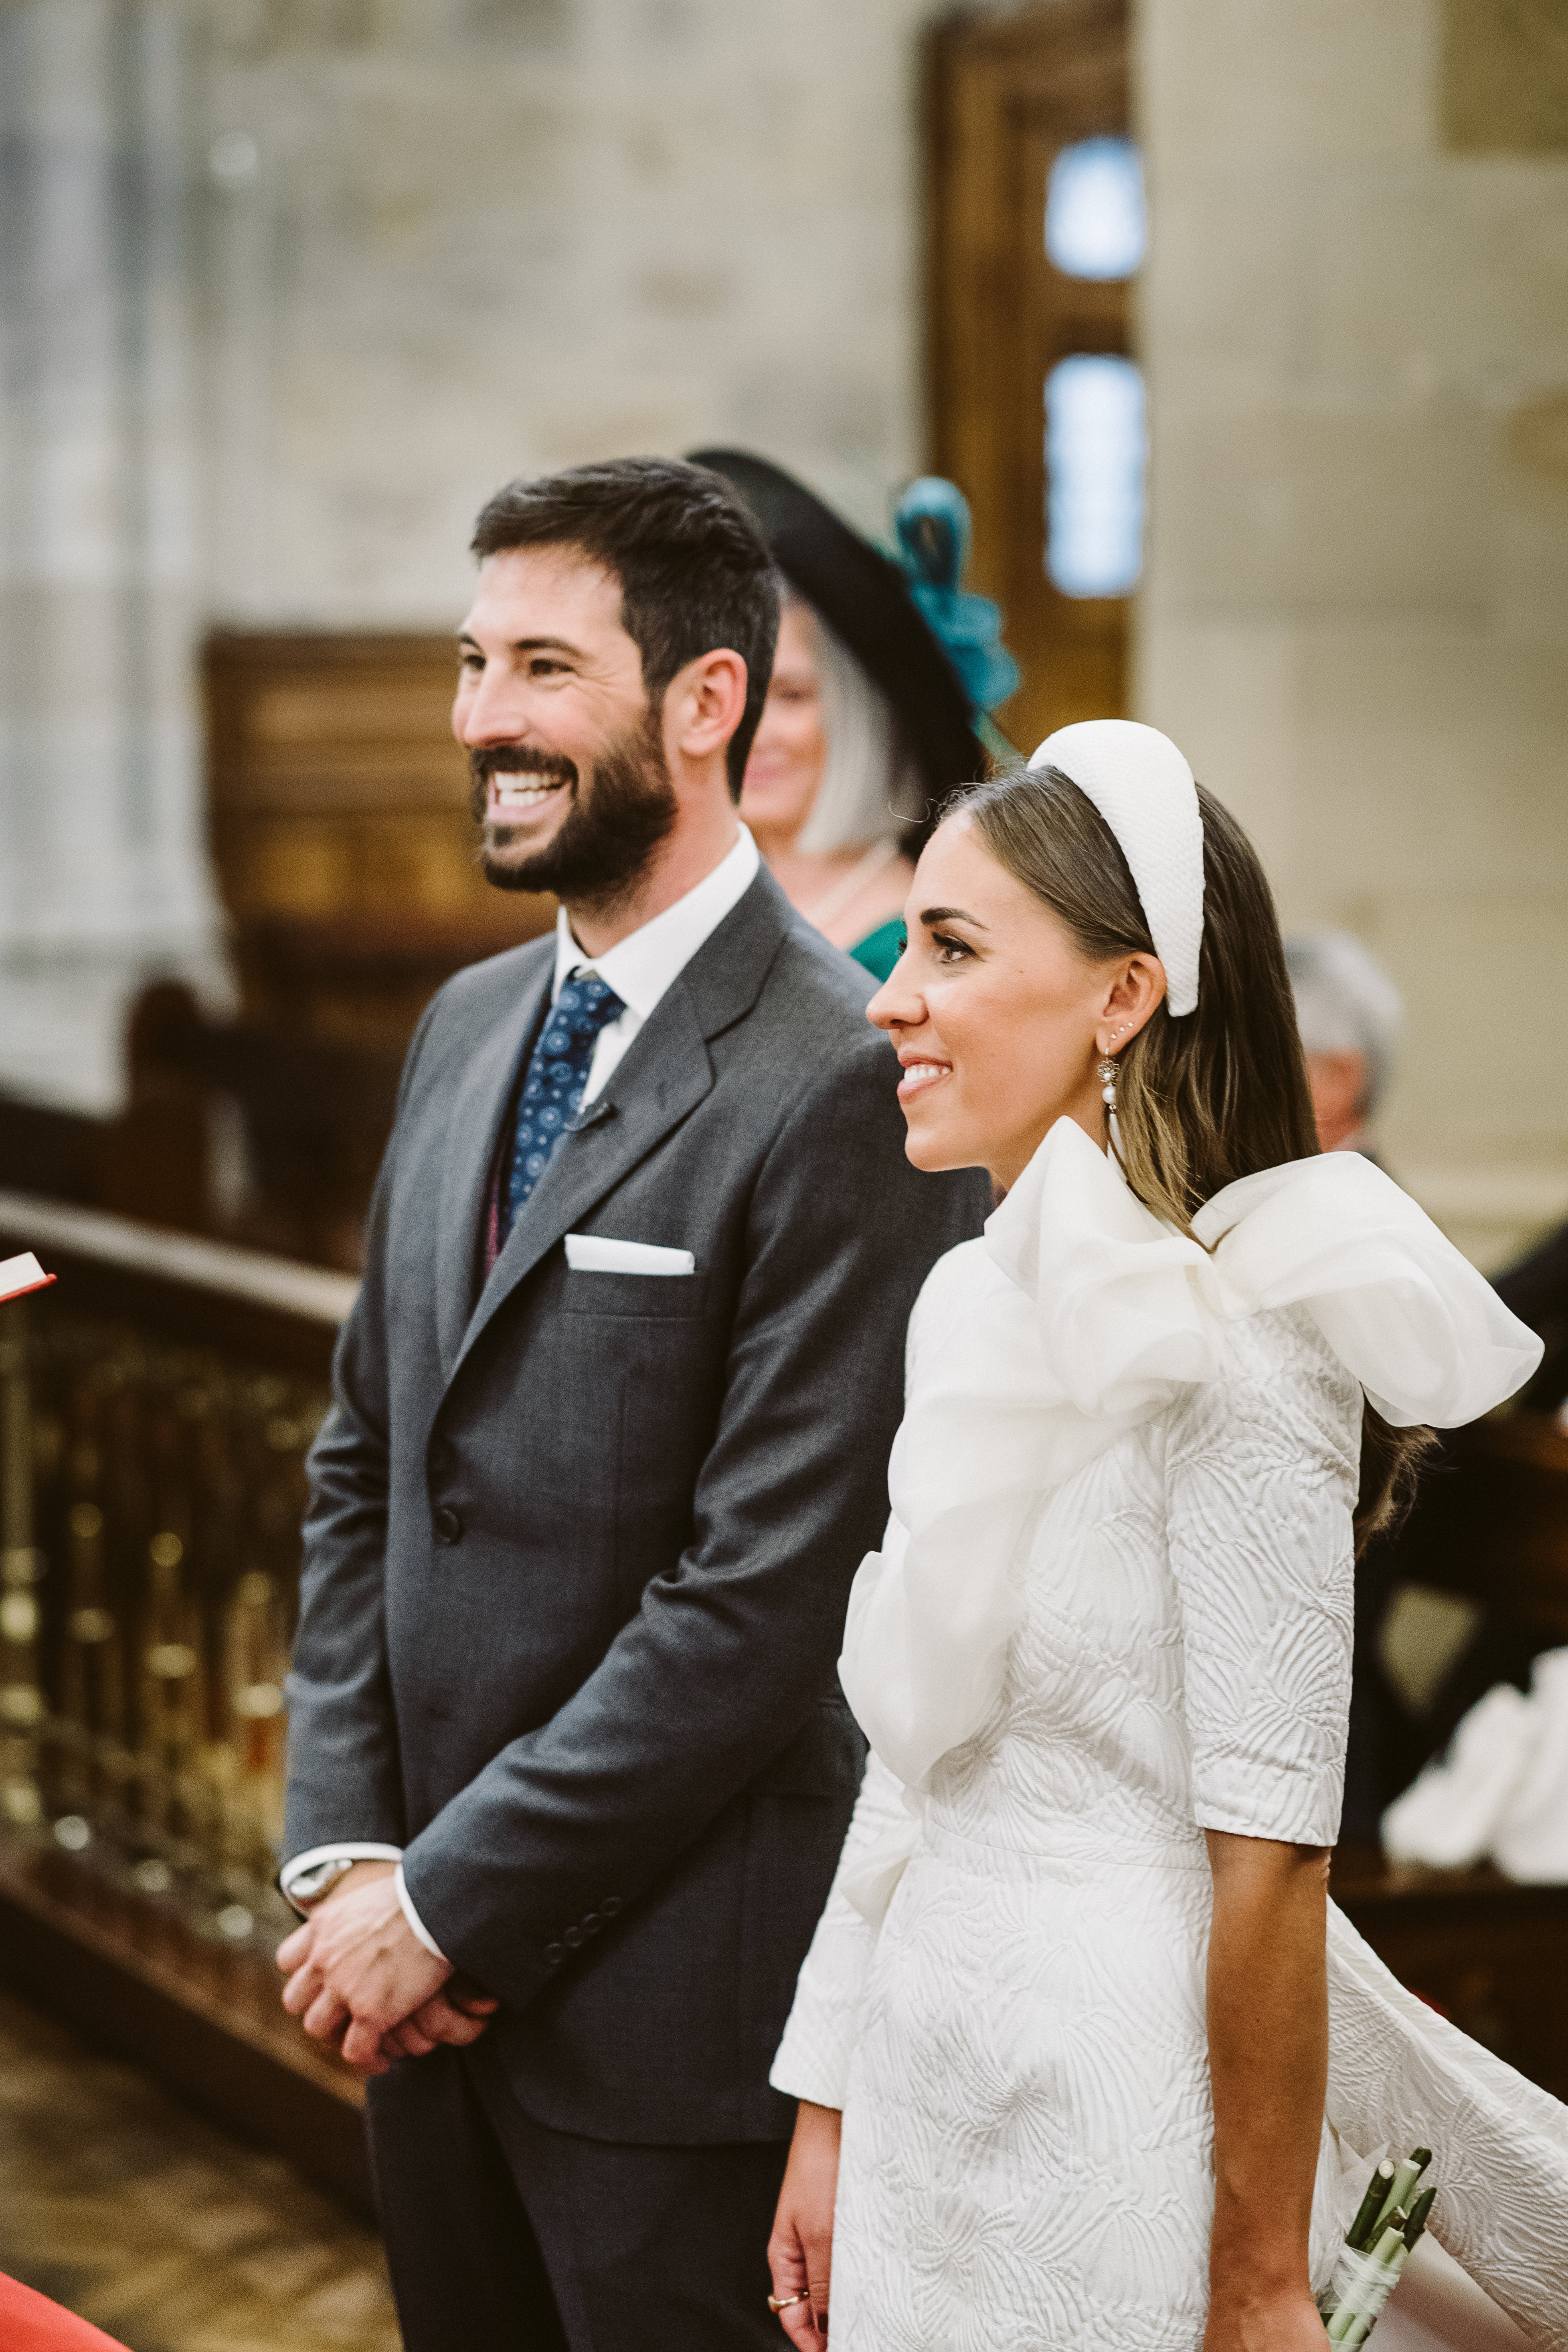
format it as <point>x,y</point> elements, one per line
<point>552,1089</point>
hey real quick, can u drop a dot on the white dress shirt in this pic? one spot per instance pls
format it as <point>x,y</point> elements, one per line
<point>640,968</point>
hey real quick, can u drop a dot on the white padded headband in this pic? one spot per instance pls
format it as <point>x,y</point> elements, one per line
<point>1144,790</point>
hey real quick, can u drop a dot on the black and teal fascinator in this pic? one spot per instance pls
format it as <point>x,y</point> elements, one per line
<point>935,651</point>
<point>932,520</point>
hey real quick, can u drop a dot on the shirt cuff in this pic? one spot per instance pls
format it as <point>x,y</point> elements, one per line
<point>308,1875</point>
<point>415,1921</point>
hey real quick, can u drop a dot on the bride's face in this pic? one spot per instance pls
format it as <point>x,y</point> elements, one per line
<point>999,1016</point>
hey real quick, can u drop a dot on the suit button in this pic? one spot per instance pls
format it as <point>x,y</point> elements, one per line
<point>449,1526</point>
<point>554,1954</point>
<point>573,1939</point>
<point>610,1905</point>
<point>591,1922</point>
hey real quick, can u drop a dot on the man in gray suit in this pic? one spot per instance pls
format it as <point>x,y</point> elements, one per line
<point>569,1767</point>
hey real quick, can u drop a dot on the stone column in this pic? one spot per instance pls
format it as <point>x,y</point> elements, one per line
<point>103,871</point>
<point>1355,617</point>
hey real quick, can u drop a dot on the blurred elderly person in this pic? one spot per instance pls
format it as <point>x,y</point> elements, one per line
<point>1349,1015</point>
<point>882,676</point>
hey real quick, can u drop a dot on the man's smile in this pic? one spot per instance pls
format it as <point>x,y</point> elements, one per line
<point>510,795</point>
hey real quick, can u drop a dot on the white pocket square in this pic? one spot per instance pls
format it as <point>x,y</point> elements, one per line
<point>593,1254</point>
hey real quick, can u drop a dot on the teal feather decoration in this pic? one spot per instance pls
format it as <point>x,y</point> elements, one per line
<point>932,520</point>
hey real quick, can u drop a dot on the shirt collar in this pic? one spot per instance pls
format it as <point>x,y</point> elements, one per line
<point>640,967</point>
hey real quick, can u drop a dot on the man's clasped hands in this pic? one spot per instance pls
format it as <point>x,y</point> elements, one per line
<point>357,1963</point>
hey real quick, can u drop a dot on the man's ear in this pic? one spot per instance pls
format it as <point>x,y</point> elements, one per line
<point>704,704</point>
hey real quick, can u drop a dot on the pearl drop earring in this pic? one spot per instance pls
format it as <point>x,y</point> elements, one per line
<point>1105,1071</point>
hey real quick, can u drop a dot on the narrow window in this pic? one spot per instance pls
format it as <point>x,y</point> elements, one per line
<point>1095,223</point>
<point>1095,452</point>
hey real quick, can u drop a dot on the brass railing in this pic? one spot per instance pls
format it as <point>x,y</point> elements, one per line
<point>156,1410</point>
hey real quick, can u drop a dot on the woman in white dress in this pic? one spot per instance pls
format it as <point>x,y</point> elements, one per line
<point>1063,2040</point>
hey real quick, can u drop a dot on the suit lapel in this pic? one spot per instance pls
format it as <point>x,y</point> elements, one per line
<point>476,1117</point>
<point>665,1074</point>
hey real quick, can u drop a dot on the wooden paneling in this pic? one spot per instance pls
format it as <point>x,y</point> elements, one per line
<point>1003,96</point>
<point>1505,77</point>
<point>341,832</point>
<point>1493,1524</point>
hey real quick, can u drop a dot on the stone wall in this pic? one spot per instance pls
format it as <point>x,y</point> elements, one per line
<point>289,286</point>
<point>1355,618</point>
<point>448,241</point>
<point>102,872</point>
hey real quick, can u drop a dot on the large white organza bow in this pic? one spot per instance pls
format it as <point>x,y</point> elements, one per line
<point>1094,1316</point>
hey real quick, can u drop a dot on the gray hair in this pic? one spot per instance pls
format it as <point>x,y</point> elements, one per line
<point>1346,1003</point>
<point>871,789</point>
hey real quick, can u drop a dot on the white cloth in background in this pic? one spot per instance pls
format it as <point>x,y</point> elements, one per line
<point>1114,1608</point>
<point>1531,1842</point>
<point>1501,1792</point>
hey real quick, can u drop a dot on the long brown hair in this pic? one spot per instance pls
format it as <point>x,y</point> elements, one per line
<point>1220,1093</point>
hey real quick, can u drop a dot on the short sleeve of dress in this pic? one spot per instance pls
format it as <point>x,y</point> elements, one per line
<point>1261,1469</point>
<point>813,2061</point>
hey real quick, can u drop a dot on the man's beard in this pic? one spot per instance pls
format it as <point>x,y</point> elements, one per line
<point>603,845</point>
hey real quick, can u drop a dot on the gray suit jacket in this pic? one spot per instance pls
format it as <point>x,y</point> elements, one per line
<point>578,1550</point>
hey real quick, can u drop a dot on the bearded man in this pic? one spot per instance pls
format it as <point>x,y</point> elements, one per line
<point>569,1767</point>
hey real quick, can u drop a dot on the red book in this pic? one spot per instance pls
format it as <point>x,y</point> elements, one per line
<point>31,2323</point>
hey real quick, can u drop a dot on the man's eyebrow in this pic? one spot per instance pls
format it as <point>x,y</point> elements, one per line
<point>527,645</point>
<point>951,915</point>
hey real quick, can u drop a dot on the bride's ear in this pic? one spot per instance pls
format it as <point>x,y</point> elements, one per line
<point>1137,987</point>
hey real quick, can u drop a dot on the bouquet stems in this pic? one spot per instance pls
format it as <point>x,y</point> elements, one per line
<point>1388,2222</point>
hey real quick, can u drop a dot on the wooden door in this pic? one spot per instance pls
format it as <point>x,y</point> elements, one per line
<point>1004,98</point>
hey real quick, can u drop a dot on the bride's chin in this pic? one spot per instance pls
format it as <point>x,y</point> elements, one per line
<point>933,1153</point>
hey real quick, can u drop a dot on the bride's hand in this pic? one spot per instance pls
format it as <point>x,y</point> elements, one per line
<point>800,2251</point>
<point>1284,2321</point>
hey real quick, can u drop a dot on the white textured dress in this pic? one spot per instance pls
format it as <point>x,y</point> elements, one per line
<point>1113,1608</point>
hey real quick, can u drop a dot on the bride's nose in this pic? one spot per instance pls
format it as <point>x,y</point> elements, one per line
<point>895,1006</point>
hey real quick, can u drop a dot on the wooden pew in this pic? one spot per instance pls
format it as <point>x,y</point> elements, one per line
<point>344,846</point>
<point>155,1406</point>
<point>1491,1525</point>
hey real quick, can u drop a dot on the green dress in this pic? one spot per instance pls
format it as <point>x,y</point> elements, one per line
<point>879,950</point>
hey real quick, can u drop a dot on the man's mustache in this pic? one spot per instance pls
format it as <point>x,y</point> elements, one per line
<point>515,760</point>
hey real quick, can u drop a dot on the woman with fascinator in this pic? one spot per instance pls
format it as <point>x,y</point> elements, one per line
<point>1085,2055</point>
<point>876,705</point>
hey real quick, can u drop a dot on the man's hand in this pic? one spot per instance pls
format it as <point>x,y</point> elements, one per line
<point>356,1961</point>
<point>457,2016</point>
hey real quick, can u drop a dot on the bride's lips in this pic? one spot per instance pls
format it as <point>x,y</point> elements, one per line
<point>920,1074</point>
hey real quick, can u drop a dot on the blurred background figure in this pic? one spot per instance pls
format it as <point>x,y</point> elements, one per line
<point>1350,1016</point>
<point>883,674</point>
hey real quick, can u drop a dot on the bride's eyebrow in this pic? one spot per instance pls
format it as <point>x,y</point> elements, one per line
<point>934,914</point>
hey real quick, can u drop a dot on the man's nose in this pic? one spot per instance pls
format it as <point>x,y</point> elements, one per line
<point>493,711</point>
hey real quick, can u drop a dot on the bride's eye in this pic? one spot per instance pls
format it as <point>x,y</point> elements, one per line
<point>949,950</point>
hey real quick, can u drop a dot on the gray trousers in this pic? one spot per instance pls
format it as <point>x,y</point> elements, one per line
<point>504,2236</point>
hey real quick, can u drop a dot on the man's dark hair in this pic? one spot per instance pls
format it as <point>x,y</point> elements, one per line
<point>694,569</point>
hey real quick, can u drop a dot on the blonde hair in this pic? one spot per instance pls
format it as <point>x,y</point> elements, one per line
<point>871,789</point>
